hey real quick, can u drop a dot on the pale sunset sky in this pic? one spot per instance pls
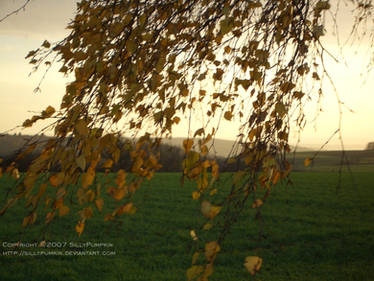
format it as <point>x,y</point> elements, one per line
<point>46,19</point>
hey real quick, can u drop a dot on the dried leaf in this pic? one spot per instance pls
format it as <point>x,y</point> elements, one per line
<point>99,204</point>
<point>253,264</point>
<point>195,195</point>
<point>307,161</point>
<point>79,228</point>
<point>193,235</point>
<point>63,210</point>
<point>208,210</point>
<point>194,271</point>
<point>187,145</point>
<point>211,250</point>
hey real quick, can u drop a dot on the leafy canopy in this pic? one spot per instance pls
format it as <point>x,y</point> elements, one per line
<point>140,67</point>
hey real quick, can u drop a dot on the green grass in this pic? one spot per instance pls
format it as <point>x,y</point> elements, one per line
<point>310,231</point>
<point>331,161</point>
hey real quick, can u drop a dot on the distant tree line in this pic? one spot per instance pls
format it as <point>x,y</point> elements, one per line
<point>370,146</point>
<point>171,158</point>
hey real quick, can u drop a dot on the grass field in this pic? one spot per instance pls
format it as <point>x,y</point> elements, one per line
<point>331,161</point>
<point>311,231</point>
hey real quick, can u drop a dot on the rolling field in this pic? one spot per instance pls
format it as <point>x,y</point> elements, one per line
<point>333,161</point>
<point>310,231</point>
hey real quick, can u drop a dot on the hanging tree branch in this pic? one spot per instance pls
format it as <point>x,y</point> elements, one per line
<point>23,7</point>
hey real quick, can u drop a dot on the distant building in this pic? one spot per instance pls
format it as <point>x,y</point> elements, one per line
<point>370,146</point>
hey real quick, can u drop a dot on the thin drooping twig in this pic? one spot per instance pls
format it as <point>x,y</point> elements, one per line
<point>16,11</point>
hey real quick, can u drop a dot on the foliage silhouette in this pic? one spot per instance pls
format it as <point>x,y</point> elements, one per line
<point>141,67</point>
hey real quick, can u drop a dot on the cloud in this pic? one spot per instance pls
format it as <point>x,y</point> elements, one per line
<point>40,19</point>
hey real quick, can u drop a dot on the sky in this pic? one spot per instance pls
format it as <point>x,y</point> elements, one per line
<point>46,19</point>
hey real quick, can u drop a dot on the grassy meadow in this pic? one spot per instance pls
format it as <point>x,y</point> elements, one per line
<point>310,230</point>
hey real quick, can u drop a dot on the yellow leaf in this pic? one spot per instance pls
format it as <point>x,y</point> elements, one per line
<point>276,177</point>
<point>99,204</point>
<point>117,193</point>
<point>199,132</point>
<point>30,219</point>
<point>15,174</point>
<point>253,264</point>
<point>208,270</point>
<point>257,203</point>
<point>49,216</point>
<point>128,208</point>
<point>58,203</point>
<point>57,179</point>
<point>187,145</point>
<point>86,213</point>
<point>81,128</point>
<point>88,177</point>
<point>81,162</point>
<point>147,37</point>
<point>108,164</point>
<point>108,217</point>
<point>205,207</point>
<point>211,250</point>
<point>63,210</point>
<point>26,221</point>
<point>90,195</point>
<point>214,191</point>
<point>142,19</point>
<point>209,210</point>
<point>29,180</point>
<point>190,162</point>
<point>307,162</point>
<point>214,211</point>
<point>127,19</point>
<point>195,256</point>
<point>215,169</point>
<point>204,152</point>
<point>195,195</point>
<point>193,235</point>
<point>79,228</point>
<point>207,226</point>
<point>121,178</point>
<point>48,112</point>
<point>131,46</point>
<point>194,271</point>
